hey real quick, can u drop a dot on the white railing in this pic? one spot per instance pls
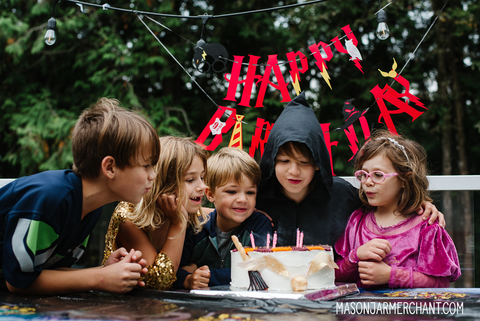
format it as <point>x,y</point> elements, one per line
<point>5,181</point>
<point>442,182</point>
<point>437,182</point>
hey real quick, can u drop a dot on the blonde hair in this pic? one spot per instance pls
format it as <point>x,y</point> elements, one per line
<point>106,129</point>
<point>228,163</point>
<point>409,160</point>
<point>175,160</point>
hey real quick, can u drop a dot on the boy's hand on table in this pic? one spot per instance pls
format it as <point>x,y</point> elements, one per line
<point>116,256</point>
<point>198,279</point>
<point>123,276</point>
<point>121,253</point>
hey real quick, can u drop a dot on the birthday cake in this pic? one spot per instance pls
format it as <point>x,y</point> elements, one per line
<point>284,269</point>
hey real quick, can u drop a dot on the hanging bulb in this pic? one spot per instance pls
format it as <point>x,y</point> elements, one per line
<point>382,30</point>
<point>50,36</point>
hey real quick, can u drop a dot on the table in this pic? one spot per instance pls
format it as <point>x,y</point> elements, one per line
<point>145,304</point>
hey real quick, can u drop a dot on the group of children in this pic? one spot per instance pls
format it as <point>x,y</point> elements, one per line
<point>161,237</point>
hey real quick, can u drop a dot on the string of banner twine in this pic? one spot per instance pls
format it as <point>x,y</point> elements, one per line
<point>140,14</point>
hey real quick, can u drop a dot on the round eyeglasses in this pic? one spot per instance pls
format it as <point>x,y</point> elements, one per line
<point>376,176</point>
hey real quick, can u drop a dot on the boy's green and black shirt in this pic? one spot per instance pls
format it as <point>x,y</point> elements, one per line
<point>41,226</point>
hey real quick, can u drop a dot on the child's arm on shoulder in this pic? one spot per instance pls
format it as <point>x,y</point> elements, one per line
<point>430,213</point>
<point>117,278</point>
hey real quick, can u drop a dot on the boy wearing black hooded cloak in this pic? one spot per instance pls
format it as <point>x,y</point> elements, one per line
<point>323,213</point>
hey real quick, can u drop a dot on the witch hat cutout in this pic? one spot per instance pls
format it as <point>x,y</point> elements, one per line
<point>350,114</point>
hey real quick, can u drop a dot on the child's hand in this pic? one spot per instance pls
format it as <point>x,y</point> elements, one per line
<point>168,204</point>
<point>120,253</point>
<point>123,276</point>
<point>375,249</point>
<point>374,273</point>
<point>430,213</point>
<point>198,279</point>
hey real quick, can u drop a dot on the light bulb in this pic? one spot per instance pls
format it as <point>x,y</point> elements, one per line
<point>382,30</point>
<point>50,36</point>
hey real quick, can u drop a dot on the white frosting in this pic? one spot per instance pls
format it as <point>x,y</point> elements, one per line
<point>296,262</point>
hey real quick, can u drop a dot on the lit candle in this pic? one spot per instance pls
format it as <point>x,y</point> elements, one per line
<point>274,243</point>
<point>252,240</point>
<point>268,240</point>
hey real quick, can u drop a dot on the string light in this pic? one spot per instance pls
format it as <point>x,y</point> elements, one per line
<point>382,29</point>
<point>50,36</point>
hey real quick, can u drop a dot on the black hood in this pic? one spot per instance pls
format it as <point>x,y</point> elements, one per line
<point>297,123</point>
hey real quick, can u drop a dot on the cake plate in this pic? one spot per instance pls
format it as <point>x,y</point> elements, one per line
<point>340,290</point>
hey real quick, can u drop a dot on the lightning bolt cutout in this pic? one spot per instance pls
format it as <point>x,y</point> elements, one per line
<point>325,75</point>
<point>296,85</point>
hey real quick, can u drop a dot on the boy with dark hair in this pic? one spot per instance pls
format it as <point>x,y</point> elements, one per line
<point>46,218</point>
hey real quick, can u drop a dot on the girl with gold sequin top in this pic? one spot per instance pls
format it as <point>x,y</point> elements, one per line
<point>156,226</point>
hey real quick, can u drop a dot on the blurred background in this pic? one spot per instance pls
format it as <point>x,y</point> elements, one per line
<point>108,53</point>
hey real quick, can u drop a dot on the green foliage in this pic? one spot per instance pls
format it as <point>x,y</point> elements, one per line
<point>109,53</point>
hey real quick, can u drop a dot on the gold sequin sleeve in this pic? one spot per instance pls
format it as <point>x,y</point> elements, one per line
<point>161,274</point>
<point>118,217</point>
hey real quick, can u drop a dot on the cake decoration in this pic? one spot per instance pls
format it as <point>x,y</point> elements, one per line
<point>287,268</point>
<point>299,282</point>
<point>256,281</point>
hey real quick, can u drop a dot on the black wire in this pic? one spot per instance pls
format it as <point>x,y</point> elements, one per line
<point>413,54</point>
<point>199,16</point>
<point>54,4</point>
<point>158,23</point>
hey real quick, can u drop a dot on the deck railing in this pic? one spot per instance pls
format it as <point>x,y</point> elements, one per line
<point>437,182</point>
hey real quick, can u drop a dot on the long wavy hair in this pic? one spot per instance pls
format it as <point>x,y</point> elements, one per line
<point>409,160</point>
<point>175,160</point>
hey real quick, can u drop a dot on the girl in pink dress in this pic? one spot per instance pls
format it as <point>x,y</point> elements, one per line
<point>385,244</point>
